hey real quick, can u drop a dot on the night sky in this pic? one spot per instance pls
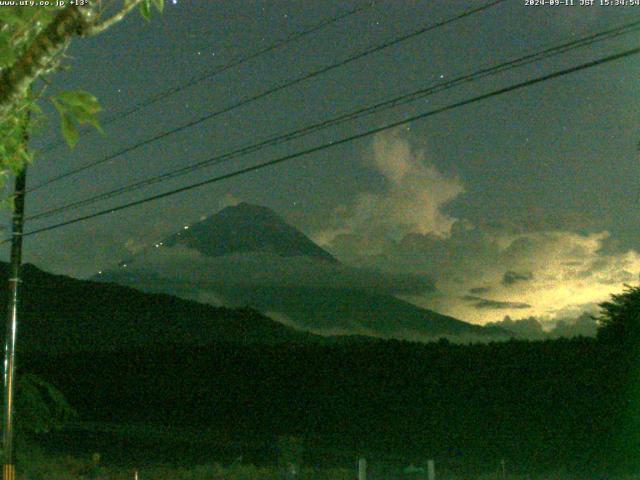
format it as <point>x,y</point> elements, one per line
<point>526,204</point>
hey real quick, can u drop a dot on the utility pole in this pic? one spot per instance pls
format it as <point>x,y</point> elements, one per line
<point>8,468</point>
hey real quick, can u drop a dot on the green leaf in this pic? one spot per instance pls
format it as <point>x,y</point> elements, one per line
<point>70,130</point>
<point>34,107</point>
<point>76,107</point>
<point>159,4</point>
<point>6,53</point>
<point>80,100</point>
<point>13,15</point>
<point>86,118</point>
<point>145,9</point>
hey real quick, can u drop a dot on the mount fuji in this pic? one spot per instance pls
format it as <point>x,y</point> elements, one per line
<point>248,256</point>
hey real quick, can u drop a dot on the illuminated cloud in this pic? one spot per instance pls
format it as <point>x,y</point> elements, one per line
<point>484,303</point>
<point>475,271</point>
<point>482,272</point>
<point>534,328</point>
<point>415,192</point>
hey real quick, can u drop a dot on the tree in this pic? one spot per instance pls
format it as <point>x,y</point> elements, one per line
<point>33,42</point>
<point>619,319</point>
<point>619,335</point>
<point>41,407</point>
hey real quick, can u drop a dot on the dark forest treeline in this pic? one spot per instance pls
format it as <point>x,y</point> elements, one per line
<point>539,405</point>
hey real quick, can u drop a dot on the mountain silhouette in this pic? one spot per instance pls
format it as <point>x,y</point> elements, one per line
<point>61,314</point>
<point>247,256</point>
<point>244,228</point>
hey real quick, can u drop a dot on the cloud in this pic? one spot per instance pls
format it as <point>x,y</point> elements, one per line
<point>553,272</point>
<point>530,327</point>
<point>484,303</point>
<point>414,195</point>
<point>479,290</point>
<point>584,326</point>
<point>188,266</point>
<point>534,328</point>
<point>408,335</point>
<point>557,271</point>
<point>510,277</point>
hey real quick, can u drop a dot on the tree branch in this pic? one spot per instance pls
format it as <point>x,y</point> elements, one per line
<point>15,80</point>
<point>47,45</point>
<point>102,26</point>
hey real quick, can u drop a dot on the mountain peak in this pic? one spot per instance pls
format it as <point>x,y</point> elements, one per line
<point>246,228</point>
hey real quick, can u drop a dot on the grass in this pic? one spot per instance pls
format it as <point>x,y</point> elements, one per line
<point>40,467</point>
<point>68,468</point>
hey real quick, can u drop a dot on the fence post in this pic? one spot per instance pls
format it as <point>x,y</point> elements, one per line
<point>431,470</point>
<point>362,468</point>
<point>290,452</point>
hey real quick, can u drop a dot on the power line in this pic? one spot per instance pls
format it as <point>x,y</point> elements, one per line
<point>394,102</point>
<point>346,117</point>
<point>351,138</point>
<point>223,68</point>
<point>273,90</point>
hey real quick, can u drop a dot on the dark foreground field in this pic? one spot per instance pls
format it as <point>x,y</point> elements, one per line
<point>541,407</point>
